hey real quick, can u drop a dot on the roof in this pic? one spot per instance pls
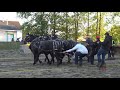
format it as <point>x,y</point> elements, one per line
<point>10,25</point>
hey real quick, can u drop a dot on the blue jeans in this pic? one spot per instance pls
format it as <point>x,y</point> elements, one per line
<point>79,56</point>
<point>103,53</point>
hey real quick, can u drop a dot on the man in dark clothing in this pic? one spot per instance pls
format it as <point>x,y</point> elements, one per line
<point>98,44</point>
<point>93,49</point>
<point>89,41</point>
<point>89,46</point>
<point>111,51</point>
<point>105,47</point>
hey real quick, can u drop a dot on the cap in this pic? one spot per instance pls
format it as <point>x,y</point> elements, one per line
<point>98,37</point>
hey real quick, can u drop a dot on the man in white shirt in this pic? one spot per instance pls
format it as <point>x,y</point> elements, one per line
<point>81,51</point>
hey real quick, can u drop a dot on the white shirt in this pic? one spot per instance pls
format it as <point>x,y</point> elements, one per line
<point>79,48</point>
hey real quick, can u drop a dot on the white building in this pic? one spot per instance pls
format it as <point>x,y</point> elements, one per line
<point>9,30</point>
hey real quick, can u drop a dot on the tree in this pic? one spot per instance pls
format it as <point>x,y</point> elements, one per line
<point>71,25</point>
<point>115,33</point>
<point>66,31</point>
<point>97,25</point>
<point>88,24</point>
<point>38,24</point>
<point>76,25</point>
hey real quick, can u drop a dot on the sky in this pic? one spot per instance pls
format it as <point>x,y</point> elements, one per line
<point>10,16</point>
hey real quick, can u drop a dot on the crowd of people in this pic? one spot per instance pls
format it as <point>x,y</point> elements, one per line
<point>103,49</point>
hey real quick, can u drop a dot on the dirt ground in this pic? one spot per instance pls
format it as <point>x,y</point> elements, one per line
<point>16,64</point>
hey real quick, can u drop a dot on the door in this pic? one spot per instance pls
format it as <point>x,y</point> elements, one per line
<point>9,37</point>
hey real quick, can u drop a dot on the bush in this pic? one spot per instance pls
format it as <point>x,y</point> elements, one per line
<point>9,45</point>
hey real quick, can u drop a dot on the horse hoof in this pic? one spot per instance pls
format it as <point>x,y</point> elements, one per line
<point>49,63</point>
<point>53,62</point>
<point>34,63</point>
<point>40,61</point>
<point>58,65</point>
<point>69,62</point>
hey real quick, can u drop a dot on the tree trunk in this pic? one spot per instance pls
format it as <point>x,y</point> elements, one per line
<point>54,13</point>
<point>76,26</point>
<point>100,24</point>
<point>66,27</point>
<point>88,24</point>
<point>97,25</point>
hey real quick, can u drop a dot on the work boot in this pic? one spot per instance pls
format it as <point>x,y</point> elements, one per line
<point>102,66</point>
<point>98,64</point>
<point>92,63</point>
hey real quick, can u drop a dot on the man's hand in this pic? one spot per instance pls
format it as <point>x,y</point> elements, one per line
<point>64,52</point>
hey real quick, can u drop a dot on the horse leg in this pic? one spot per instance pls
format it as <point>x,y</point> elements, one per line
<point>35,59</point>
<point>113,54</point>
<point>92,59</point>
<point>88,58</point>
<point>61,58</point>
<point>46,55</point>
<point>58,58</point>
<point>52,59</point>
<point>58,61</point>
<point>39,59</point>
<point>68,59</point>
<point>45,59</point>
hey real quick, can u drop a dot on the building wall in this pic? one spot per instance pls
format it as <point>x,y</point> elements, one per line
<point>19,34</point>
<point>4,34</point>
<point>12,32</point>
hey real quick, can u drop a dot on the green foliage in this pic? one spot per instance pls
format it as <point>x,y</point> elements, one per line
<point>9,45</point>
<point>115,32</point>
<point>71,25</point>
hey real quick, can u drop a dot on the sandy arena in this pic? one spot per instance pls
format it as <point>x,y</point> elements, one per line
<point>16,64</point>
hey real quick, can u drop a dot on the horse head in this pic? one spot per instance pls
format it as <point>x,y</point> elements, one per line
<point>30,37</point>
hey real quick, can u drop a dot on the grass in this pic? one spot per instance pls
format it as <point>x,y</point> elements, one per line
<point>9,45</point>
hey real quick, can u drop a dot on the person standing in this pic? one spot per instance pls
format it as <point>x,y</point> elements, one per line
<point>89,46</point>
<point>110,50</point>
<point>94,49</point>
<point>105,47</point>
<point>113,49</point>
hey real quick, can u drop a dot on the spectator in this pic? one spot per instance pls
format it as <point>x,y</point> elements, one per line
<point>18,40</point>
<point>12,40</point>
<point>110,50</point>
<point>105,47</point>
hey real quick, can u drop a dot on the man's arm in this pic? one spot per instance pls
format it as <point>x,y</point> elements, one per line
<point>74,48</point>
<point>105,41</point>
